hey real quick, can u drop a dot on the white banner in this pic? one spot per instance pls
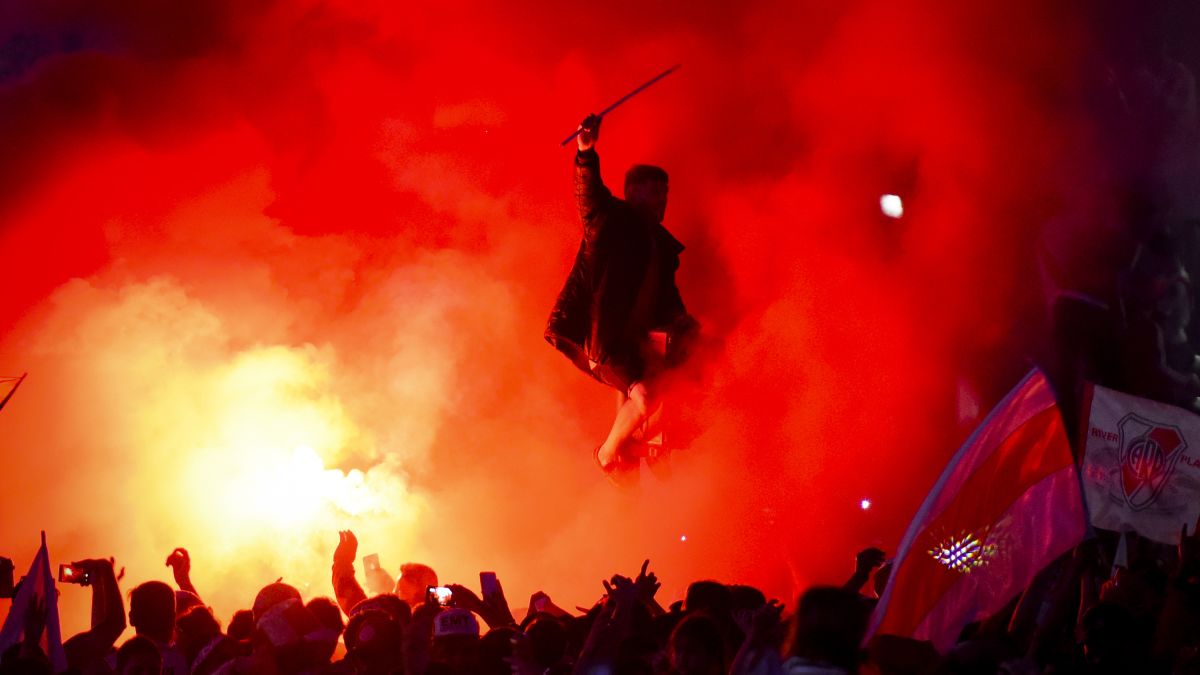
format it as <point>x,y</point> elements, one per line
<point>1141,465</point>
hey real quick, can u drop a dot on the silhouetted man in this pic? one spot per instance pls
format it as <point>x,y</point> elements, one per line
<point>152,615</point>
<point>620,304</point>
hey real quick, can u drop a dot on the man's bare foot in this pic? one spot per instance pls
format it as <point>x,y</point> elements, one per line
<point>607,457</point>
<point>621,472</point>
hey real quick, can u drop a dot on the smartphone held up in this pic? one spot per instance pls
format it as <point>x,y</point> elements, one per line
<point>72,574</point>
<point>489,584</point>
<point>441,595</point>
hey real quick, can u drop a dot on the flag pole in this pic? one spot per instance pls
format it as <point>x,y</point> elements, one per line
<point>13,390</point>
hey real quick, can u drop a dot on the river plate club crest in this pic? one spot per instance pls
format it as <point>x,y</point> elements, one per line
<point>1149,453</point>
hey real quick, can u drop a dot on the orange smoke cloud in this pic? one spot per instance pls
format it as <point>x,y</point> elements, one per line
<point>283,270</point>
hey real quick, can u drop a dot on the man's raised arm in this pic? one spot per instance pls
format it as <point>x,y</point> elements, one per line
<point>590,192</point>
<point>345,586</point>
<point>108,613</point>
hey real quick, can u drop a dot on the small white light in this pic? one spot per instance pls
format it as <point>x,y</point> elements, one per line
<point>891,205</point>
<point>683,537</point>
<point>864,504</point>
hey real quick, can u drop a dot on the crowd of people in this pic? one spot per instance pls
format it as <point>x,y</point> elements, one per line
<point>1081,615</point>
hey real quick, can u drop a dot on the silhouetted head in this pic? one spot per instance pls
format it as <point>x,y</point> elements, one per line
<point>548,640</point>
<point>152,611</point>
<point>456,640</point>
<point>139,656</point>
<point>697,646</point>
<point>828,627</point>
<point>185,600</point>
<point>374,642</point>
<point>746,597</point>
<point>271,595</point>
<point>646,191</point>
<point>327,613</point>
<point>194,630</point>
<point>494,647</point>
<point>414,580</point>
<point>708,596</point>
<point>241,626</point>
<point>323,642</point>
<point>387,602</point>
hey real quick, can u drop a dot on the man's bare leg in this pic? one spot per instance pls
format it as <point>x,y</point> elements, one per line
<point>631,414</point>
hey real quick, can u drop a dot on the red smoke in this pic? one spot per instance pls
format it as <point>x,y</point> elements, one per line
<point>339,226</point>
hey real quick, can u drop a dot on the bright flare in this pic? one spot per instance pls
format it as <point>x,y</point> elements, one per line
<point>891,206</point>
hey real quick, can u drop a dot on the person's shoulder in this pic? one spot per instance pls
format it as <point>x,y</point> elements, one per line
<point>672,241</point>
<point>173,661</point>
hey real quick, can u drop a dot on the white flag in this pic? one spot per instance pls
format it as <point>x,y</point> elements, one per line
<point>37,585</point>
<point>1141,464</point>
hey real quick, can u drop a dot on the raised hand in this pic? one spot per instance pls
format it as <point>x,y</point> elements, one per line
<point>647,584</point>
<point>379,581</point>
<point>347,548</point>
<point>498,605</point>
<point>589,132</point>
<point>179,561</point>
<point>621,591</point>
<point>865,562</point>
<point>493,607</point>
<point>466,599</point>
<point>868,560</point>
<point>767,619</point>
<point>92,568</point>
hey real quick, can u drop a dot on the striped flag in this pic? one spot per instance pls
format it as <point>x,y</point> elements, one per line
<point>37,587</point>
<point>4,384</point>
<point>1007,505</point>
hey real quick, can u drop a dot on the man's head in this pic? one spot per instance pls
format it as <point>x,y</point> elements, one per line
<point>194,630</point>
<point>708,596</point>
<point>139,656</point>
<point>396,608</point>
<point>415,579</point>
<point>271,595</point>
<point>646,191</point>
<point>828,627</point>
<point>697,646</point>
<point>373,641</point>
<point>456,641</point>
<point>152,610</point>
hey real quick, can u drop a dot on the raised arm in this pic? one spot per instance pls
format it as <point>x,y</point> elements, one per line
<point>181,567</point>
<point>345,586</point>
<point>611,626</point>
<point>108,611</point>
<point>590,194</point>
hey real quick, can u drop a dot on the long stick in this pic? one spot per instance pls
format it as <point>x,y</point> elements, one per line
<point>626,97</point>
<point>12,391</point>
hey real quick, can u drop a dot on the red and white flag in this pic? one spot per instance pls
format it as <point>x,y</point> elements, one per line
<point>37,586</point>
<point>1006,506</point>
<point>1141,464</point>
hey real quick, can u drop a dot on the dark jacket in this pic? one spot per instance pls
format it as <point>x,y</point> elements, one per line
<point>621,287</point>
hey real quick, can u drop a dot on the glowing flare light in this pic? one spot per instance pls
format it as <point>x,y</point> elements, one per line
<point>964,553</point>
<point>891,206</point>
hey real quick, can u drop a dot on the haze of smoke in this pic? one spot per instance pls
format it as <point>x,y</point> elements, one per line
<point>348,221</point>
